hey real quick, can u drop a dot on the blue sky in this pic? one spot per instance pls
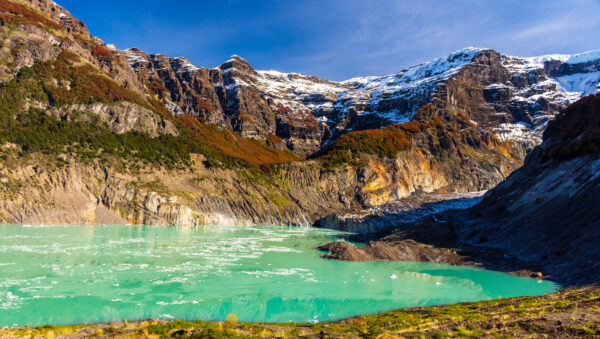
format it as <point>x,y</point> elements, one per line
<point>340,39</point>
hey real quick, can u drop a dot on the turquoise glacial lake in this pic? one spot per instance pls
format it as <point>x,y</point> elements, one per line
<point>66,275</point>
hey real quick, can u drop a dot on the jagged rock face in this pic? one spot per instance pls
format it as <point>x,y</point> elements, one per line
<point>540,87</point>
<point>185,84</point>
<point>61,15</point>
<point>472,92</point>
<point>38,46</point>
<point>86,194</point>
<point>546,211</point>
<point>515,97</point>
<point>219,96</point>
<point>27,43</point>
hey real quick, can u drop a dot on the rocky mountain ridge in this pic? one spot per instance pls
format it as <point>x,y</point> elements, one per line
<point>513,96</point>
<point>92,134</point>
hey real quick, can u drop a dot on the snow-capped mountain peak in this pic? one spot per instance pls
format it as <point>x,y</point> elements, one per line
<point>514,96</point>
<point>591,56</point>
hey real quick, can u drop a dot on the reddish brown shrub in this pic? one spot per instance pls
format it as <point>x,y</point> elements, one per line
<point>411,126</point>
<point>383,142</point>
<point>83,39</point>
<point>463,116</point>
<point>272,138</point>
<point>157,87</point>
<point>244,116</point>
<point>232,144</point>
<point>12,13</point>
<point>102,53</point>
<point>203,105</point>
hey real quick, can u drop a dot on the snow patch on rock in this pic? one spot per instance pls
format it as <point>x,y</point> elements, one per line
<point>134,57</point>
<point>580,83</point>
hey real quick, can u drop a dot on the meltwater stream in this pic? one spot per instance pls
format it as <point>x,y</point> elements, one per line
<point>90,274</point>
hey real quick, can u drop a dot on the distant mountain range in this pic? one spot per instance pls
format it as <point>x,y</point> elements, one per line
<point>514,96</point>
<point>93,134</point>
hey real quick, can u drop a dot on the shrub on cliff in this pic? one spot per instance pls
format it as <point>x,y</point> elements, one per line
<point>13,13</point>
<point>157,87</point>
<point>386,142</point>
<point>37,132</point>
<point>65,81</point>
<point>102,53</point>
<point>203,105</point>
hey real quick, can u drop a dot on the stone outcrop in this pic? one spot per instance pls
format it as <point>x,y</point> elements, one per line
<point>121,117</point>
<point>60,15</point>
<point>405,211</point>
<point>404,250</point>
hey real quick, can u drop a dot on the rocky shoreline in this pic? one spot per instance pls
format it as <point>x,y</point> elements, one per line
<point>434,242</point>
<point>464,237</point>
<point>422,228</point>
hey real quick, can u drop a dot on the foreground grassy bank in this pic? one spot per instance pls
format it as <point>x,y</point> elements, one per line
<point>573,312</point>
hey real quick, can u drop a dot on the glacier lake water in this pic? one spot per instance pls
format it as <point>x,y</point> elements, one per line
<point>64,275</point>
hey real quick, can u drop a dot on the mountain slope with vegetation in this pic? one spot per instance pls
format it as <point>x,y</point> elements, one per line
<point>93,134</point>
<point>86,139</point>
<point>513,96</point>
